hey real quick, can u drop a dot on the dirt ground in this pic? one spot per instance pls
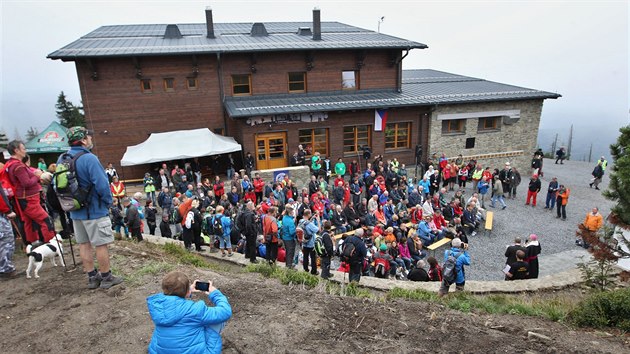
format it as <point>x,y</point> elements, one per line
<point>57,314</point>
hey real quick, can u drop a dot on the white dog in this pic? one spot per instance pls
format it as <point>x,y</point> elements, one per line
<point>47,250</point>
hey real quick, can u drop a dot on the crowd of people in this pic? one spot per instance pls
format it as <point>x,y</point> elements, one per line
<point>387,216</point>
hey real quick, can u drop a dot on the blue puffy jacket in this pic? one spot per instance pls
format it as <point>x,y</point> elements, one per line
<point>288,228</point>
<point>186,327</point>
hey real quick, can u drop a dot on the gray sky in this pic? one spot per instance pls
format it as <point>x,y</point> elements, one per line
<point>576,48</point>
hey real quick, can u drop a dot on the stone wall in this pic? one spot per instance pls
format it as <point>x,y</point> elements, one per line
<point>515,142</point>
<point>301,175</point>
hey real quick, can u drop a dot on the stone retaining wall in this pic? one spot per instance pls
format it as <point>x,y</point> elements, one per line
<point>549,282</point>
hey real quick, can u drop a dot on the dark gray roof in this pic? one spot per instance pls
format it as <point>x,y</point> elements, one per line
<point>420,87</point>
<point>131,40</point>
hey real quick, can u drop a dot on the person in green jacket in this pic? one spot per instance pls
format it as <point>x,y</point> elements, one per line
<point>316,164</point>
<point>340,168</point>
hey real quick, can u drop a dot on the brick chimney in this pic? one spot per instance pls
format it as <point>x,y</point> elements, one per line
<point>209,22</point>
<point>317,25</point>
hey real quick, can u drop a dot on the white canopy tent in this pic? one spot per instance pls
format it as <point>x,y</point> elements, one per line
<point>179,144</point>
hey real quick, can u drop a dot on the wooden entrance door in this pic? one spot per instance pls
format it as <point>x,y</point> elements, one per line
<point>271,150</point>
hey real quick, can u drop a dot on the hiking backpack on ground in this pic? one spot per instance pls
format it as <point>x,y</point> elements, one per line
<point>71,196</point>
<point>449,269</point>
<point>217,226</point>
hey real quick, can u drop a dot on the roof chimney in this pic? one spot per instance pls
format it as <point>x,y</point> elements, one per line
<point>317,25</point>
<point>172,31</point>
<point>258,30</point>
<point>209,22</point>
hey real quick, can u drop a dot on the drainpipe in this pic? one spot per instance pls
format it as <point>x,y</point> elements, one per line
<point>222,92</point>
<point>399,73</point>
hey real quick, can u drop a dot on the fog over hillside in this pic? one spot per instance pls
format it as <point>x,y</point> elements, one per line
<point>601,136</point>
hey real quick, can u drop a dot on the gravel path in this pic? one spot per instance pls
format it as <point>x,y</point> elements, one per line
<point>557,237</point>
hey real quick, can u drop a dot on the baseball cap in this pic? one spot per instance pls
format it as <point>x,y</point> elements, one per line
<point>78,133</point>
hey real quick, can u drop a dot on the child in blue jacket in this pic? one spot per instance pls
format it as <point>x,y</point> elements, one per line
<point>183,326</point>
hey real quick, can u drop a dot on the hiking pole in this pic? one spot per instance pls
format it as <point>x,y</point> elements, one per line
<point>72,252</point>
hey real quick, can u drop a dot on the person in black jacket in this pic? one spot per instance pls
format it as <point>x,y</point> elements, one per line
<point>250,231</point>
<point>533,189</point>
<point>150,213</point>
<point>328,250</point>
<point>360,252</point>
<point>249,164</point>
<point>165,227</point>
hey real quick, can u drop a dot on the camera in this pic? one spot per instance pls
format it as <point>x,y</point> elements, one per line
<point>202,286</point>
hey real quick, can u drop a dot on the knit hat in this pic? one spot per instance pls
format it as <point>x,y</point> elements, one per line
<point>383,247</point>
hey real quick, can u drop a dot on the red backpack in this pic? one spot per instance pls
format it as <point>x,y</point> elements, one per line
<point>7,187</point>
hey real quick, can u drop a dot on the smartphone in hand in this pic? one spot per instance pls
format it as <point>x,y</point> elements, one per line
<point>202,286</point>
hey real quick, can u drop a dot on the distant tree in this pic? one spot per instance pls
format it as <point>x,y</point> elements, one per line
<point>69,115</point>
<point>4,139</point>
<point>16,134</point>
<point>31,133</point>
<point>607,245</point>
<point>618,190</point>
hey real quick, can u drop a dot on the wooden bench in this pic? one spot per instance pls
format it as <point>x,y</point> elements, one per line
<point>435,245</point>
<point>133,181</point>
<point>489,220</point>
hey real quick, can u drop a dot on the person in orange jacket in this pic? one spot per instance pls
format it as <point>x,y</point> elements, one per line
<point>594,220</point>
<point>562,198</point>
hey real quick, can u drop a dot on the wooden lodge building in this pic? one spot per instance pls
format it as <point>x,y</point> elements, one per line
<point>273,86</point>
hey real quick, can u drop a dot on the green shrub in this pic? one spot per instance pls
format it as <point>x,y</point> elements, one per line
<point>604,309</point>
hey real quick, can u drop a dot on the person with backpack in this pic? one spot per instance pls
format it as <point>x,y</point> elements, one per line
<point>118,223</point>
<point>132,218</point>
<point>270,235</point>
<point>222,226</point>
<point>354,252</point>
<point>453,268</point>
<point>247,225</point>
<point>92,227</point>
<point>288,235</point>
<point>310,229</point>
<point>326,250</point>
<point>26,186</point>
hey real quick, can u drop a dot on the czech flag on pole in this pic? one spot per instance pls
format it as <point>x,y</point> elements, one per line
<point>380,119</point>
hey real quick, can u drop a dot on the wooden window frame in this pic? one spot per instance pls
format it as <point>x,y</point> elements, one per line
<point>192,88</point>
<point>357,80</point>
<point>165,84</point>
<point>356,148</point>
<point>249,85</point>
<point>312,140</point>
<point>396,127</point>
<point>303,81</point>
<point>142,82</point>
<point>495,127</point>
<point>447,129</point>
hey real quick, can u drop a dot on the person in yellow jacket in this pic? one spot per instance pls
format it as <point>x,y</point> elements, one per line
<point>117,188</point>
<point>562,198</point>
<point>149,187</point>
<point>594,220</point>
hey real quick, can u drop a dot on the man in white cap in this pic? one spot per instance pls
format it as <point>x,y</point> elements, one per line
<point>506,178</point>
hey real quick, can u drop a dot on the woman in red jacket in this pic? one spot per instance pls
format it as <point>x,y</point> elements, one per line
<point>219,189</point>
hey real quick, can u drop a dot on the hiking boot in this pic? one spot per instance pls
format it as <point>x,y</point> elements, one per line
<point>505,206</point>
<point>94,281</point>
<point>590,185</point>
<point>597,188</point>
<point>110,281</point>
<point>11,275</point>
